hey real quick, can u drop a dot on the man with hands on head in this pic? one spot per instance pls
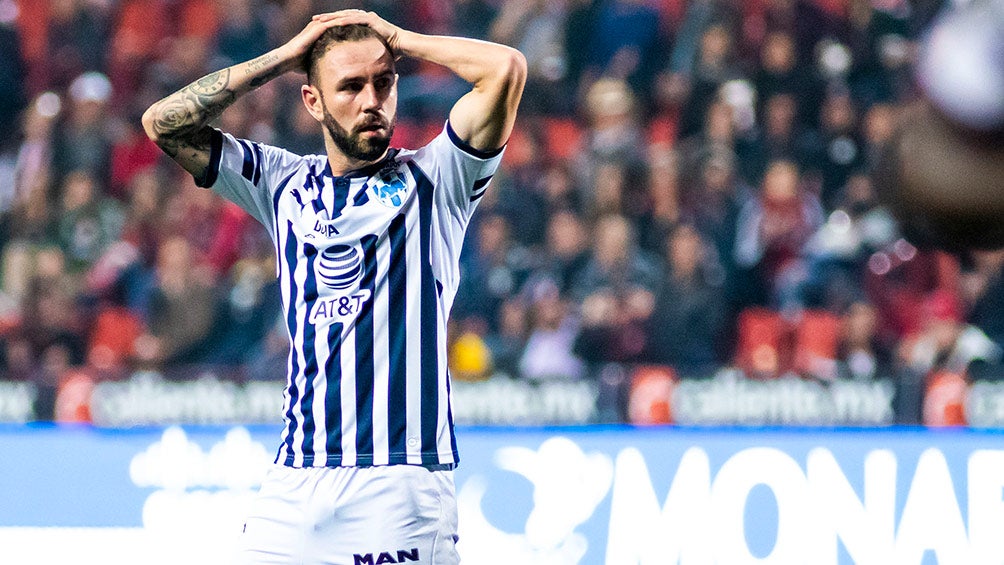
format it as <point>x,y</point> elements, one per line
<point>367,240</point>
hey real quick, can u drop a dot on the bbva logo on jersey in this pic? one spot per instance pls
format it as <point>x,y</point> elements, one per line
<point>390,187</point>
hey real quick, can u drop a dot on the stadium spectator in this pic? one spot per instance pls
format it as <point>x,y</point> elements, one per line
<point>566,250</point>
<point>17,359</point>
<point>88,220</point>
<point>616,264</point>
<point>77,30</point>
<point>493,272</point>
<point>534,27</point>
<point>686,326</point>
<point>771,231</point>
<point>132,154</point>
<point>614,134</point>
<point>781,136</point>
<point>718,136</point>
<point>111,345</point>
<point>270,356</point>
<point>13,96</point>
<point>549,350</point>
<point>861,355</point>
<point>839,150</point>
<point>838,253</point>
<point>509,342</point>
<point>714,203</point>
<point>559,190</point>
<point>779,76</point>
<point>139,30</point>
<point>715,64</point>
<point>250,306</point>
<point>83,141</point>
<point>626,42</point>
<point>183,306</point>
<point>983,290</point>
<point>662,200</point>
<point>945,342</point>
<point>615,289</point>
<point>51,314</point>
<point>32,171</point>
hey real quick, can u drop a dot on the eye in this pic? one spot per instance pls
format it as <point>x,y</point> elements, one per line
<point>352,86</point>
<point>383,83</point>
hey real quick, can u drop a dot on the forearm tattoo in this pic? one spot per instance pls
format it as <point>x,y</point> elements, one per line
<point>180,118</point>
<point>256,67</point>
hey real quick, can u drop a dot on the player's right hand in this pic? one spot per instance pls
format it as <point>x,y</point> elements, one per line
<point>390,32</point>
<point>297,48</point>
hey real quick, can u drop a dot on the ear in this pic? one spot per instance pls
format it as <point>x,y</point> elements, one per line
<point>312,100</point>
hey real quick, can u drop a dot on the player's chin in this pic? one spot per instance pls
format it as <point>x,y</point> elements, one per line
<point>372,146</point>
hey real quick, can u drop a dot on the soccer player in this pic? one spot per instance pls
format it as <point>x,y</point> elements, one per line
<point>367,240</point>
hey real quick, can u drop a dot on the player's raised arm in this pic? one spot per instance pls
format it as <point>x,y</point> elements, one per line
<point>484,117</point>
<point>179,122</point>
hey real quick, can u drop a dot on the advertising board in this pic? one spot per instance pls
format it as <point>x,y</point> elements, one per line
<point>559,495</point>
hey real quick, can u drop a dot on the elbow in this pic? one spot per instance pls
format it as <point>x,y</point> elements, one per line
<point>149,120</point>
<point>515,70</point>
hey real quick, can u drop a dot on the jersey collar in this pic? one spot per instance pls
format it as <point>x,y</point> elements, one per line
<point>368,170</point>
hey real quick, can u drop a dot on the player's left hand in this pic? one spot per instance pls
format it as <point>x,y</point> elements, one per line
<point>390,32</point>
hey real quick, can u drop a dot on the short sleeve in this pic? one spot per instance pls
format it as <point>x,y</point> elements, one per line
<point>248,174</point>
<point>461,173</point>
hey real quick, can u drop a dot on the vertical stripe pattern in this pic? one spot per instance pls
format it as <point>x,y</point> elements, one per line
<point>397,411</point>
<point>366,284</point>
<point>365,355</point>
<point>429,326</point>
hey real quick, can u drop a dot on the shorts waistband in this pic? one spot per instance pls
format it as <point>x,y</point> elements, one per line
<point>441,467</point>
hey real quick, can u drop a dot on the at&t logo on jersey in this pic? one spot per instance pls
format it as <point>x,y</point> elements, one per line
<point>339,307</point>
<point>339,267</point>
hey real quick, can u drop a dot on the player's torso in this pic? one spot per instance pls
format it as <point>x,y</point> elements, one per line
<point>335,237</point>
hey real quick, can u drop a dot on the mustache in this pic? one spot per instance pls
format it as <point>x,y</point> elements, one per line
<point>372,123</point>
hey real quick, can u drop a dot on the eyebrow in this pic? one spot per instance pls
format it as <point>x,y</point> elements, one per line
<point>362,78</point>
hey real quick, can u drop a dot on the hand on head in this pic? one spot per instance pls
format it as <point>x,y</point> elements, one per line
<point>387,30</point>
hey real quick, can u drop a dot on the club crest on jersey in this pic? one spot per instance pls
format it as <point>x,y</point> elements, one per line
<point>390,187</point>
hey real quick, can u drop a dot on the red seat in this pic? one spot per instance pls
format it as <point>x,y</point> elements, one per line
<point>563,137</point>
<point>650,401</point>
<point>945,400</point>
<point>817,337</point>
<point>761,343</point>
<point>114,335</point>
<point>73,398</point>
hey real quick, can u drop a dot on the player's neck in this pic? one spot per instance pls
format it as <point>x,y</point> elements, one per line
<point>341,164</point>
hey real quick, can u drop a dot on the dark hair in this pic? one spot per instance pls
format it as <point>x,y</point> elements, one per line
<point>338,34</point>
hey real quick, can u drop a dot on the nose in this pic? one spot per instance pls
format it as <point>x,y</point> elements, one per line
<point>370,97</point>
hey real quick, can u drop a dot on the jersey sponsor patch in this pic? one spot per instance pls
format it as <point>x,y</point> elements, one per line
<point>339,308</point>
<point>400,556</point>
<point>339,266</point>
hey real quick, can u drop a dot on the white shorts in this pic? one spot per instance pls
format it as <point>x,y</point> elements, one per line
<point>352,516</point>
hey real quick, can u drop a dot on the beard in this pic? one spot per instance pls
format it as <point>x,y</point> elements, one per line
<point>353,144</point>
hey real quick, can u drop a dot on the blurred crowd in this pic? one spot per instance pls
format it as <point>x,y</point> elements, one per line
<point>689,186</point>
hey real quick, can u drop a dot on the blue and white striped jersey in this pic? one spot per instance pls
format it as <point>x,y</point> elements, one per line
<point>368,267</point>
